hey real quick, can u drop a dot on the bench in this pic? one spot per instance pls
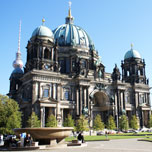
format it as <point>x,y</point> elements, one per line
<point>74,143</point>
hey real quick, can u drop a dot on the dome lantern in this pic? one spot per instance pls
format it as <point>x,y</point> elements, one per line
<point>69,19</point>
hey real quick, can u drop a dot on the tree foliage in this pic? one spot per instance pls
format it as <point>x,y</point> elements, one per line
<point>111,123</point>
<point>33,121</point>
<point>134,122</point>
<point>51,121</point>
<point>150,122</point>
<point>123,123</point>
<point>10,116</point>
<point>69,122</point>
<point>98,124</point>
<point>82,124</point>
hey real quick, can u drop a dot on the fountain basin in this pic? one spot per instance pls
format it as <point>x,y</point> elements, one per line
<point>47,134</point>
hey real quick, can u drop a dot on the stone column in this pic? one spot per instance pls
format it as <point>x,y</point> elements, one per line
<point>77,101</point>
<point>42,113</point>
<point>124,103</point>
<point>85,97</point>
<point>121,100</point>
<point>43,48</point>
<point>136,102</point>
<point>80,93</point>
<point>143,118</point>
<point>58,92</point>
<point>54,91</point>
<point>33,92</point>
<point>116,109</point>
<point>61,93</point>
<point>91,114</point>
<point>52,54</point>
<point>40,91</point>
<point>58,114</point>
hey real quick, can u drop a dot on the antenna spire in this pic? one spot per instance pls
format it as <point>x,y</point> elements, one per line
<point>18,61</point>
<point>19,37</point>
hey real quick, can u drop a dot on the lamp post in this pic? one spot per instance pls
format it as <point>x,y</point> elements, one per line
<point>90,110</point>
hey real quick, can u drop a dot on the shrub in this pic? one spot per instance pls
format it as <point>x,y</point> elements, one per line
<point>51,121</point>
<point>111,123</point>
<point>98,124</point>
<point>33,121</point>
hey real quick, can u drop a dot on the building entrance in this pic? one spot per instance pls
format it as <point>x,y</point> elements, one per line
<point>101,106</point>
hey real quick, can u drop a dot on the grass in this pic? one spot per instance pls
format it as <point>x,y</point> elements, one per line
<point>114,136</point>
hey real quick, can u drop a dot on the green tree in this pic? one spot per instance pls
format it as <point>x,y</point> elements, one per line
<point>69,122</point>
<point>98,124</point>
<point>123,123</point>
<point>33,121</point>
<point>134,122</point>
<point>51,121</point>
<point>10,116</point>
<point>111,123</point>
<point>150,122</point>
<point>82,124</point>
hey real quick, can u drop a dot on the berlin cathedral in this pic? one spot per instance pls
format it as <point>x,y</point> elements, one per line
<point>64,74</point>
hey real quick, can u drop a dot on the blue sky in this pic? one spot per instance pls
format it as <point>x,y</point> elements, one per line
<point>112,25</point>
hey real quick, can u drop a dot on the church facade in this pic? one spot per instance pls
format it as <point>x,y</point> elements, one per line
<point>64,75</point>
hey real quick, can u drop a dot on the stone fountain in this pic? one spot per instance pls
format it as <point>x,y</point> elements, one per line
<point>46,135</point>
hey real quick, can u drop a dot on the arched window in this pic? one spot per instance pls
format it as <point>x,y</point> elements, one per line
<point>46,53</point>
<point>40,52</point>
<point>62,65</point>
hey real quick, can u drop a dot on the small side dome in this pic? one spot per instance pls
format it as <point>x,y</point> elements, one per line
<point>43,31</point>
<point>132,54</point>
<point>17,72</point>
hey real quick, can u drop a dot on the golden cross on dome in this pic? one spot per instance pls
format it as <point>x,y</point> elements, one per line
<point>132,45</point>
<point>43,21</point>
<point>70,3</point>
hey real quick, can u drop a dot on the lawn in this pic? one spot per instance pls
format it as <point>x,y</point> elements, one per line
<point>113,136</point>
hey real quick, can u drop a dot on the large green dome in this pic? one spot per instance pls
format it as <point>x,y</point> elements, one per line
<point>71,35</point>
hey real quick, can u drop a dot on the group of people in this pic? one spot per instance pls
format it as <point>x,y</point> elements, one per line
<point>10,141</point>
<point>24,140</point>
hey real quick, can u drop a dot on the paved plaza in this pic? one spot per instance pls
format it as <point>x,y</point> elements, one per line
<point>123,145</point>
